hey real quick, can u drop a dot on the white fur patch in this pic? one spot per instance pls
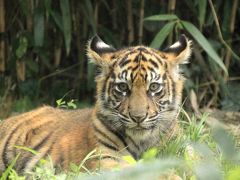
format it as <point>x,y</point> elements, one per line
<point>101,45</point>
<point>175,45</point>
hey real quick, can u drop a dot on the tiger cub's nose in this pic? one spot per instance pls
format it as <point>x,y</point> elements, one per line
<point>138,118</point>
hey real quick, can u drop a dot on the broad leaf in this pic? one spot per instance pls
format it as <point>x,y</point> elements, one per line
<point>202,41</point>
<point>202,6</point>
<point>39,27</point>
<point>162,34</point>
<point>22,48</point>
<point>57,19</point>
<point>162,17</point>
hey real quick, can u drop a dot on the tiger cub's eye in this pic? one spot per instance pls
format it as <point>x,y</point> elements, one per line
<point>154,87</point>
<point>122,87</point>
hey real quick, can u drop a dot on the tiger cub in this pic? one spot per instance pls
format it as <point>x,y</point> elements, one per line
<point>139,92</point>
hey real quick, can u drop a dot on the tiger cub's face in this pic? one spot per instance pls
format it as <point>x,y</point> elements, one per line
<point>139,88</point>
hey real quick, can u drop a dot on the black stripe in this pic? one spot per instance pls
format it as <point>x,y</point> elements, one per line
<point>116,94</point>
<point>113,75</point>
<point>146,76</point>
<point>41,143</point>
<point>104,135</point>
<point>168,86</point>
<point>120,135</point>
<point>36,148</point>
<point>107,145</point>
<point>136,59</point>
<point>131,76</point>
<point>109,157</point>
<point>164,76</point>
<point>5,152</point>
<point>164,102</point>
<point>151,76</point>
<point>136,146</point>
<point>153,63</point>
<point>128,53</point>
<point>143,68</point>
<point>104,88</point>
<point>133,69</point>
<point>173,90</point>
<point>156,56</point>
<point>151,69</point>
<point>135,77</point>
<point>144,58</point>
<point>161,94</point>
<point>124,73</point>
<point>124,62</point>
<point>142,76</point>
<point>110,85</point>
<point>142,49</point>
<point>117,107</point>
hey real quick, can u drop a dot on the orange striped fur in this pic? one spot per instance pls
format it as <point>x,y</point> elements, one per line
<point>139,91</point>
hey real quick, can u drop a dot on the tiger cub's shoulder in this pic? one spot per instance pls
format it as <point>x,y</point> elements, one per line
<point>48,113</point>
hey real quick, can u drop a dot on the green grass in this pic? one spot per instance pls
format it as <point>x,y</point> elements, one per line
<point>198,152</point>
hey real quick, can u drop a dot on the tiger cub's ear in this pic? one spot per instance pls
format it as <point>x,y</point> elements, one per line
<point>99,52</point>
<point>179,52</point>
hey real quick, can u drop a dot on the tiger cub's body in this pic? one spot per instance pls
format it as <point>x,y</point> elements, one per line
<point>139,92</point>
<point>59,133</point>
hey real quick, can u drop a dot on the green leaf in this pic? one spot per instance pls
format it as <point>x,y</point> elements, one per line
<point>162,17</point>
<point>39,27</point>
<point>150,154</point>
<point>4,176</point>
<point>22,48</point>
<point>57,19</point>
<point>225,142</point>
<point>89,14</point>
<point>129,159</point>
<point>234,174</point>
<point>207,170</point>
<point>202,41</point>
<point>71,104</point>
<point>66,20</point>
<point>202,6</point>
<point>162,34</point>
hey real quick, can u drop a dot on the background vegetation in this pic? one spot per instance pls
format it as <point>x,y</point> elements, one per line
<point>42,46</point>
<point>42,59</point>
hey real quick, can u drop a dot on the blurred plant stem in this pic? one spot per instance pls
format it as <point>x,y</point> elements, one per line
<point>231,30</point>
<point>219,29</point>
<point>141,16</point>
<point>2,30</point>
<point>130,26</point>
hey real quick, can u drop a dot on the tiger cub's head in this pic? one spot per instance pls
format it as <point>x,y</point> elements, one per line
<point>139,88</point>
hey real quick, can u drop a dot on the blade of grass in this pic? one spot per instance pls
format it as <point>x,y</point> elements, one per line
<point>10,167</point>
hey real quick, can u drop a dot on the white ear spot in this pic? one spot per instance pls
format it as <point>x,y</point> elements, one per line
<point>101,44</point>
<point>175,45</point>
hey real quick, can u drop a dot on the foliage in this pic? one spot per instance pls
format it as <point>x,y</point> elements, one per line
<point>42,56</point>
<point>202,153</point>
<point>43,51</point>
